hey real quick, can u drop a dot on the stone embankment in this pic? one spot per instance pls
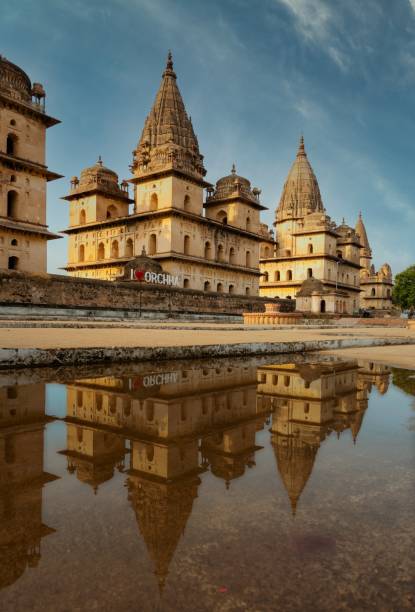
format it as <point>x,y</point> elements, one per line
<point>62,346</point>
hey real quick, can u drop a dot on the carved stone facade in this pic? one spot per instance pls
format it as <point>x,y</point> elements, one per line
<point>309,245</point>
<point>210,245</point>
<point>376,286</point>
<point>23,173</point>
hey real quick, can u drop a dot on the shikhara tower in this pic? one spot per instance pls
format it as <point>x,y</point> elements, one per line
<point>376,286</point>
<point>310,247</point>
<point>210,244</point>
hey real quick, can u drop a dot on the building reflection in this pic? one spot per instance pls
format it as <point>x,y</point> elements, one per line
<point>309,402</point>
<point>22,477</point>
<point>176,424</point>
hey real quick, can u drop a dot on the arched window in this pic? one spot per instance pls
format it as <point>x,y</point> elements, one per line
<point>186,245</point>
<point>12,204</point>
<point>115,251</point>
<point>289,275</point>
<point>232,256</point>
<point>112,403</point>
<point>266,277</point>
<point>286,381</point>
<point>129,248</point>
<point>152,244</point>
<point>12,393</point>
<point>275,379</point>
<point>149,410</point>
<point>186,283</point>
<point>373,292</point>
<point>154,201</point>
<point>79,399</point>
<point>13,263</point>
<point>323,306</point>
<point>277,276</point>
<point>222,217</point>
<point>206,286</point>
<point>13,178</point>
<point>247,291</point>
<point>126,407</point>
<point>309,272</point>
<point>11,144</point>
<point>248,259</point>
<point>208,250</point>
<point>219,288</point>
<point>82,217</point>
<point>150,452</point>
<point>248,224</point>
<point>221,253</point>
<point>14,242</point>
<point>231,289</point>
<point>101,251</point>
<point>81,252</point>
<point>186,202</point>
<point>111,211</point>
<point>310,249</point>
<point>183,412</point>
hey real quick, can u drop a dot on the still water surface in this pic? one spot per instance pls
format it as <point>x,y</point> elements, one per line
<point>225,486</point>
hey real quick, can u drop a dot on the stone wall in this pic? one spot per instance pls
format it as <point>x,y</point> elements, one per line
<point>17,288</point>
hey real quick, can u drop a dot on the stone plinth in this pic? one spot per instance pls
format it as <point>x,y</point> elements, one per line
<point>273,315</point>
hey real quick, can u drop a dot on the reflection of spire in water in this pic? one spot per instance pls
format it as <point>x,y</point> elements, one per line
<point>162,510</point>
<point>295,460</point>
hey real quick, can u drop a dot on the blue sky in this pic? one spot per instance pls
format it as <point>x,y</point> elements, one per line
<point>253,75</point>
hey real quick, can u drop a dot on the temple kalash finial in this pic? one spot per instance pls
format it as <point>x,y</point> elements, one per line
<point>233,170</point>
<point>99,162</point>
<point>169,66</point>
<point>301,149</point>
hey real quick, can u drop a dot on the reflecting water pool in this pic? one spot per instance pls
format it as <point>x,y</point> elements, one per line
<point>217,485</point>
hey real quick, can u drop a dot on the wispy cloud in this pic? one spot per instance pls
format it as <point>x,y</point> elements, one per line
<point>317,21</point>
<point>412,3</point>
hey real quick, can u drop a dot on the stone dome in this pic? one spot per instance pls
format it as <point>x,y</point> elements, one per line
<point>98,173</point>
<point>301,193</point>
<point>233,185</point>
<point>309,286</point>
<point>14,81</point>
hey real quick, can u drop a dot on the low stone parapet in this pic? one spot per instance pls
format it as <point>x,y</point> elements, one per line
<point>273,315</point>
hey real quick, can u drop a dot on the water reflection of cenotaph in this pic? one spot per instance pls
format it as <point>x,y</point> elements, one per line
<point>22,424</point>
<point>178,423</point>
<point>309,402</point>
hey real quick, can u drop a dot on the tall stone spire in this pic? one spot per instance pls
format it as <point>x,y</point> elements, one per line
<point>168,141</point>
<point>295,461</point>
<point>301,193</point>
<point>364,241</point>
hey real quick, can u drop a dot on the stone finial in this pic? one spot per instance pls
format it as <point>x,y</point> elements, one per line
<point>233,170</point>
<point>99,162</point>
<point>168,71</point>
<point>301,148</point>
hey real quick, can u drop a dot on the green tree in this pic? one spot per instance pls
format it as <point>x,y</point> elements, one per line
<point>404,290</point>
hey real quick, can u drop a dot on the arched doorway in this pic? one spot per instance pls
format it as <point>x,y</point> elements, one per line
<point>13,263</point>
<point>323,306</point>
<point>12,204</point>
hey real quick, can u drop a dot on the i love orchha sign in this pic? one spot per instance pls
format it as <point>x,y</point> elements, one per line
<point>156,278</point>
